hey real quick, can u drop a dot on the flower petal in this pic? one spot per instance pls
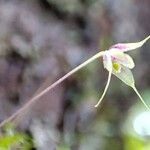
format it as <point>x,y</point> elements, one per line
<point>128,62</point>
<point>107,62</point>
<point>108,66</point>
<point>105,89</point>
<point>129,46</point>
<point>138,94</point>
<point>122,58</point>
<point>126,76</point>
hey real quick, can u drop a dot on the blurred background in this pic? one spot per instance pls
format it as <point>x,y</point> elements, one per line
<point>41,40</point>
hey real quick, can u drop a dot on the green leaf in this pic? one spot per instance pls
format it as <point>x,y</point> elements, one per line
<point>11,139</point>
<point>133,143</point>
<point>8,141</point>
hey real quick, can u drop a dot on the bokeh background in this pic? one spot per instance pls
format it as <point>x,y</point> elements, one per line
<point>41,40</point>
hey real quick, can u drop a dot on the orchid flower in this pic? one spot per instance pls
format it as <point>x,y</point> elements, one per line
<point>115,60</point>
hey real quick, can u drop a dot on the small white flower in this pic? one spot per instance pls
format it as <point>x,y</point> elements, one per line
<point>117,62</point>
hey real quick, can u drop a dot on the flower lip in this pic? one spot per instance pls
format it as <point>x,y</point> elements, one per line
<point>121,58</point>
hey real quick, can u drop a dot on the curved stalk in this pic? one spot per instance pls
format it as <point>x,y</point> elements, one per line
<point>109,65</point>
<point>138,94</point>
<point>105,90</point>
<point>24,108</point>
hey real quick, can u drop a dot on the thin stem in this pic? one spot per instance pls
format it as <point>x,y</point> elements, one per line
<point>136,91</point>
<point>36,97</point>
<point>109,65</point>
<point>105,90</point>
